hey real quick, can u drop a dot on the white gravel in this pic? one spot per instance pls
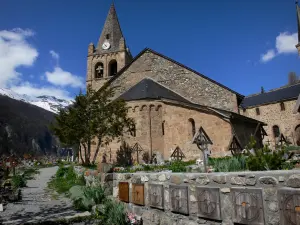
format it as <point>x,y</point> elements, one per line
<point>37,203</point>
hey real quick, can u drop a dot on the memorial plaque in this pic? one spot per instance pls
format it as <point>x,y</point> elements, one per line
<point>156,195</point>
<point>124,191</point>
<point>208,200</point>
<point>289,204</point>
<point>248,206</point>
<point>138,194</point>
<point>179,199</point>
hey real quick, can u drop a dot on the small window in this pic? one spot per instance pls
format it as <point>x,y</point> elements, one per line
<point>133,132</point>
<point>257,111</point>
<point>163,127</point>
<point>107,36</point>
<point>193,127</point>
<point>99,70</point>
<point>276,131</point>
<point>282,106</point>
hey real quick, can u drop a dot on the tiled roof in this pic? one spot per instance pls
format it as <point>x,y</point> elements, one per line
<point>286,93</point>
<point>149,89</point>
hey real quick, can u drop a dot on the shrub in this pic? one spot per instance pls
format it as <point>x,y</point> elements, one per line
<point>64,179</point>
<point>264,158</point>
<point>18,181</point>
<point>228,164</point>
<point>177,166</point>
<point>114,213</point>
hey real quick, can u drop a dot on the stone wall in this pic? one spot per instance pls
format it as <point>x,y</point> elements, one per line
<point>272,115</point>
<point>264,197</point>
<point>186,83</point>
<point>177,131</point>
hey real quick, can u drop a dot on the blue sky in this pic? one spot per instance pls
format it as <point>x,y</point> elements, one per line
<point>241,44</point>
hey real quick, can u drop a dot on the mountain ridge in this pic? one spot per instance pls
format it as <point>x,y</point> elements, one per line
<point>49,103</point>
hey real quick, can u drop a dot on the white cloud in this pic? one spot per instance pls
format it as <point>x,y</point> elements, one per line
<point>32,90</point>
<point>15,51</point>
<point>54,54</point>
<point>268,55</point>
<point>285,44</point>
<point>60,77</point>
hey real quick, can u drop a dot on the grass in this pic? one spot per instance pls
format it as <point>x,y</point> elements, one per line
<point>64,179</point>
<point>228,163</point>
<point>174,166</point>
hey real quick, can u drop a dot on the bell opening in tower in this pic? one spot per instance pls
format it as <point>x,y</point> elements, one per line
<point>113,68</point>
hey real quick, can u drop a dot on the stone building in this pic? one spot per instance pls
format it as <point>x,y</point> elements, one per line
<point>168,101</point>
<point>278,108</point>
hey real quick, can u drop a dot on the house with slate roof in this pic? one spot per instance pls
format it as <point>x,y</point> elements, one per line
<point>168,100</point>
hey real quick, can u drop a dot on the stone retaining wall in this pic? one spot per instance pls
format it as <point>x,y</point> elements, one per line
<point>265,197</point>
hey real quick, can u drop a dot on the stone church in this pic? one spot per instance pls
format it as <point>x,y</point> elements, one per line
<point>168,101</point>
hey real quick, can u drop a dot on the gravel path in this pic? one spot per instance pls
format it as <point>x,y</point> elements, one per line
<point>37,203</point>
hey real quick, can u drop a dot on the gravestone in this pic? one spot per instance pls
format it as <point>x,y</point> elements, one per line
<point>124,191</point>
<point>156,196</point>
<point>248,206</point>
<point>179,199</point>
<point>289,204</point>
<point>138,197</point>
<point>208,200</point>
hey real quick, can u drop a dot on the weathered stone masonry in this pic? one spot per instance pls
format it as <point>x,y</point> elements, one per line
<point>265,197</point>
<point>177,78</point>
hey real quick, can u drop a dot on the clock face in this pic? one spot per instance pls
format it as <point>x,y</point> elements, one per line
<point>105,45</point>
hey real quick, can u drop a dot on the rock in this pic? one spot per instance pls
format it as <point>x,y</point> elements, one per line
<point>273,206</point>
<point>127,176</point>
<point>281,179</point>
<point>153,177</point>
<point>162,177</point>
<point>220,179</point>
<point>202,180</point>
<point>251,181</point>
<point>201,221</point>
<point>238,180</point>
<point>293,181</point>
<point>225,190</point>
<point>176,179</point>
<point>191,176</point>
<point>268,180</point>
<point>193,198</point>
<point>136,180</point>
<point>144,179</point>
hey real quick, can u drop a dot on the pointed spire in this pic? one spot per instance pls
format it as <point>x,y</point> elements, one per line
<point>298,25</point>
<point>298,19</point>
<point>111,32</point>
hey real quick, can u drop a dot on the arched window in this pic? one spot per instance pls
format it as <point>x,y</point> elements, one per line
<point>113,67</point>
<point>276,131</point>
<point>282,106</point>
<point>297,135</point>
<point>257,111</point>
<point>163,127</point>
<point>133,132</point>
<point>193,127</point>
<point>99,70</point>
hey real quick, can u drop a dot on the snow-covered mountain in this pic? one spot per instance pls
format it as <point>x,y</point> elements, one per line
<point>49,103</point>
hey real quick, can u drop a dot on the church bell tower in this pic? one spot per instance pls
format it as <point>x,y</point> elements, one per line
<point>110,55</point>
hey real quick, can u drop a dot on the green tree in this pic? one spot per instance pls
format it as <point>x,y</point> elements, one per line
<point>94,115</point>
